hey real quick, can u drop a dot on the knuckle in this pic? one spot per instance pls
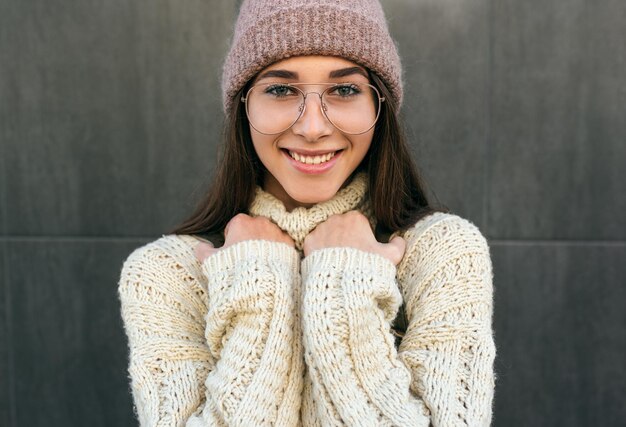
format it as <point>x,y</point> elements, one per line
<point>360,219</point>
<point>237,219</point>
<point>266,221</point>
<point>333,217</point>
<point>356,216</point>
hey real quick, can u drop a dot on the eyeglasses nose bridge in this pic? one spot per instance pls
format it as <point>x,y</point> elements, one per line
<point>323,106</point>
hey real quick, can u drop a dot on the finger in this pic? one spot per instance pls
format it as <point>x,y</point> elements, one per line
<point>399,246</point>
<point>399,242</point>
<point>230,222</point>
<point>203,250</point>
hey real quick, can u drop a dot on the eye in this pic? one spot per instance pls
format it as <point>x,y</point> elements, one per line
<point>279,91</point>
<point>346,90</point>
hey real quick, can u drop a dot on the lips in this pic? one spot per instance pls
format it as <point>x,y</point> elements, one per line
<point>312,162</point>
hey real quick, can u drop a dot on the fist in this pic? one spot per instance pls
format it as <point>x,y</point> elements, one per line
<point>244,227</point>
<point>352,229</point>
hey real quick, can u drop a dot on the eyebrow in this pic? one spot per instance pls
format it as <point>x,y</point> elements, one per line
<point>286,74</point>
<point>343,72</point>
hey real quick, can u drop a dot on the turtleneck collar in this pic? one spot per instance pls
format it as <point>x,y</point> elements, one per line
<point>301,221</point>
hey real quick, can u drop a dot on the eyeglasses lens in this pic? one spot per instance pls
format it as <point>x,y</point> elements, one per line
<point>273,108</point>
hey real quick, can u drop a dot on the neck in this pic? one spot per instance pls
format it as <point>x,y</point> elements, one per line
<point>299,221</point>
<point>273,187</point>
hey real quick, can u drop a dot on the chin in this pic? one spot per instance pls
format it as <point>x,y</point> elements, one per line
<point>312,197</point>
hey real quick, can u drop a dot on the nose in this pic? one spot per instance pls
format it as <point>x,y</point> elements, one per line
<point>312,123</point>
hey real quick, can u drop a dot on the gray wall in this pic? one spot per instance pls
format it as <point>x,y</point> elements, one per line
<point>109,123</point>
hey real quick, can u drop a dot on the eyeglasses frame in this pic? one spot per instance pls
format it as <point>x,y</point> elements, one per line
<point>323,106</point>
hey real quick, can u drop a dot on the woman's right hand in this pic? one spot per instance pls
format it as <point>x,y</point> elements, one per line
<point>244,227</point>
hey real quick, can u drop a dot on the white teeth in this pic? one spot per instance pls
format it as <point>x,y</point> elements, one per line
<point>312,160</point>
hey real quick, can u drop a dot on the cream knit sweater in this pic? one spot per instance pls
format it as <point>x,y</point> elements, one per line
<point>256,335</point>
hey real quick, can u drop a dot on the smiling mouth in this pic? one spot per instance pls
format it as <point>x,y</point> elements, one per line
<point>312,160</point>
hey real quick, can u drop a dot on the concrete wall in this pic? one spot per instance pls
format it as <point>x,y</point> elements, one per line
<point>109,123</point>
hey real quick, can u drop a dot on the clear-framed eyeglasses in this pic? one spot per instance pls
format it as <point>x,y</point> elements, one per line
<point>272,108</point>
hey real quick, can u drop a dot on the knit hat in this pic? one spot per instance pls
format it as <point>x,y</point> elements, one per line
<point>268,31</point>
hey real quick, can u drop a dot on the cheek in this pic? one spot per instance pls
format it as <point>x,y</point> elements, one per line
<point>263,146</point>
<point>363,144</point>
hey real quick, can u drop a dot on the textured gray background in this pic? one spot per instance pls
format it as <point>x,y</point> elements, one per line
<point>109,123</point>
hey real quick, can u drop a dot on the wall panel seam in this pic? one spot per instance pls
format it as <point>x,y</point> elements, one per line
<point>488,118</point>
<point>535,242</point>
<point>37,238</point>
<point>145,239</point>
<point>8,324</point>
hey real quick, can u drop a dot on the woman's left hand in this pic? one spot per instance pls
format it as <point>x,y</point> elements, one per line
<point>352,229</point>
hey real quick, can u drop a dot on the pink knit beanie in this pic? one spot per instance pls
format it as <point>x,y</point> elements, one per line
<point>270,30</point>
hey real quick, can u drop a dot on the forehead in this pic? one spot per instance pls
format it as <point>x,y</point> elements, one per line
<point>312,67</point>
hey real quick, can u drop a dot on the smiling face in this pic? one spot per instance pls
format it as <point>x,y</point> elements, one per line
<point>309,162</point>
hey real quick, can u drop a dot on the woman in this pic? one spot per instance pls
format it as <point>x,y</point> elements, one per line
<point>279,300</point>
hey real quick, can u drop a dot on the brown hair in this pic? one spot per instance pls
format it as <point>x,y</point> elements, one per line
<point>396,190</point>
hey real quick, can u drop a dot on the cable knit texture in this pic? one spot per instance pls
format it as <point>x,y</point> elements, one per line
<point>255,335</point>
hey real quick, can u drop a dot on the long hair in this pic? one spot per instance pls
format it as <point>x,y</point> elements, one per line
<point>396,190</point>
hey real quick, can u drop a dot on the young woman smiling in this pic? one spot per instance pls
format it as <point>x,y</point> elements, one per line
<point>282,299</point>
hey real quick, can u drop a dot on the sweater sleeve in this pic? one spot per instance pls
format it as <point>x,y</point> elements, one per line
<point>441,374</point>
<point>163,307</point>
<point>228,364</point>
<point>250,329</point>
